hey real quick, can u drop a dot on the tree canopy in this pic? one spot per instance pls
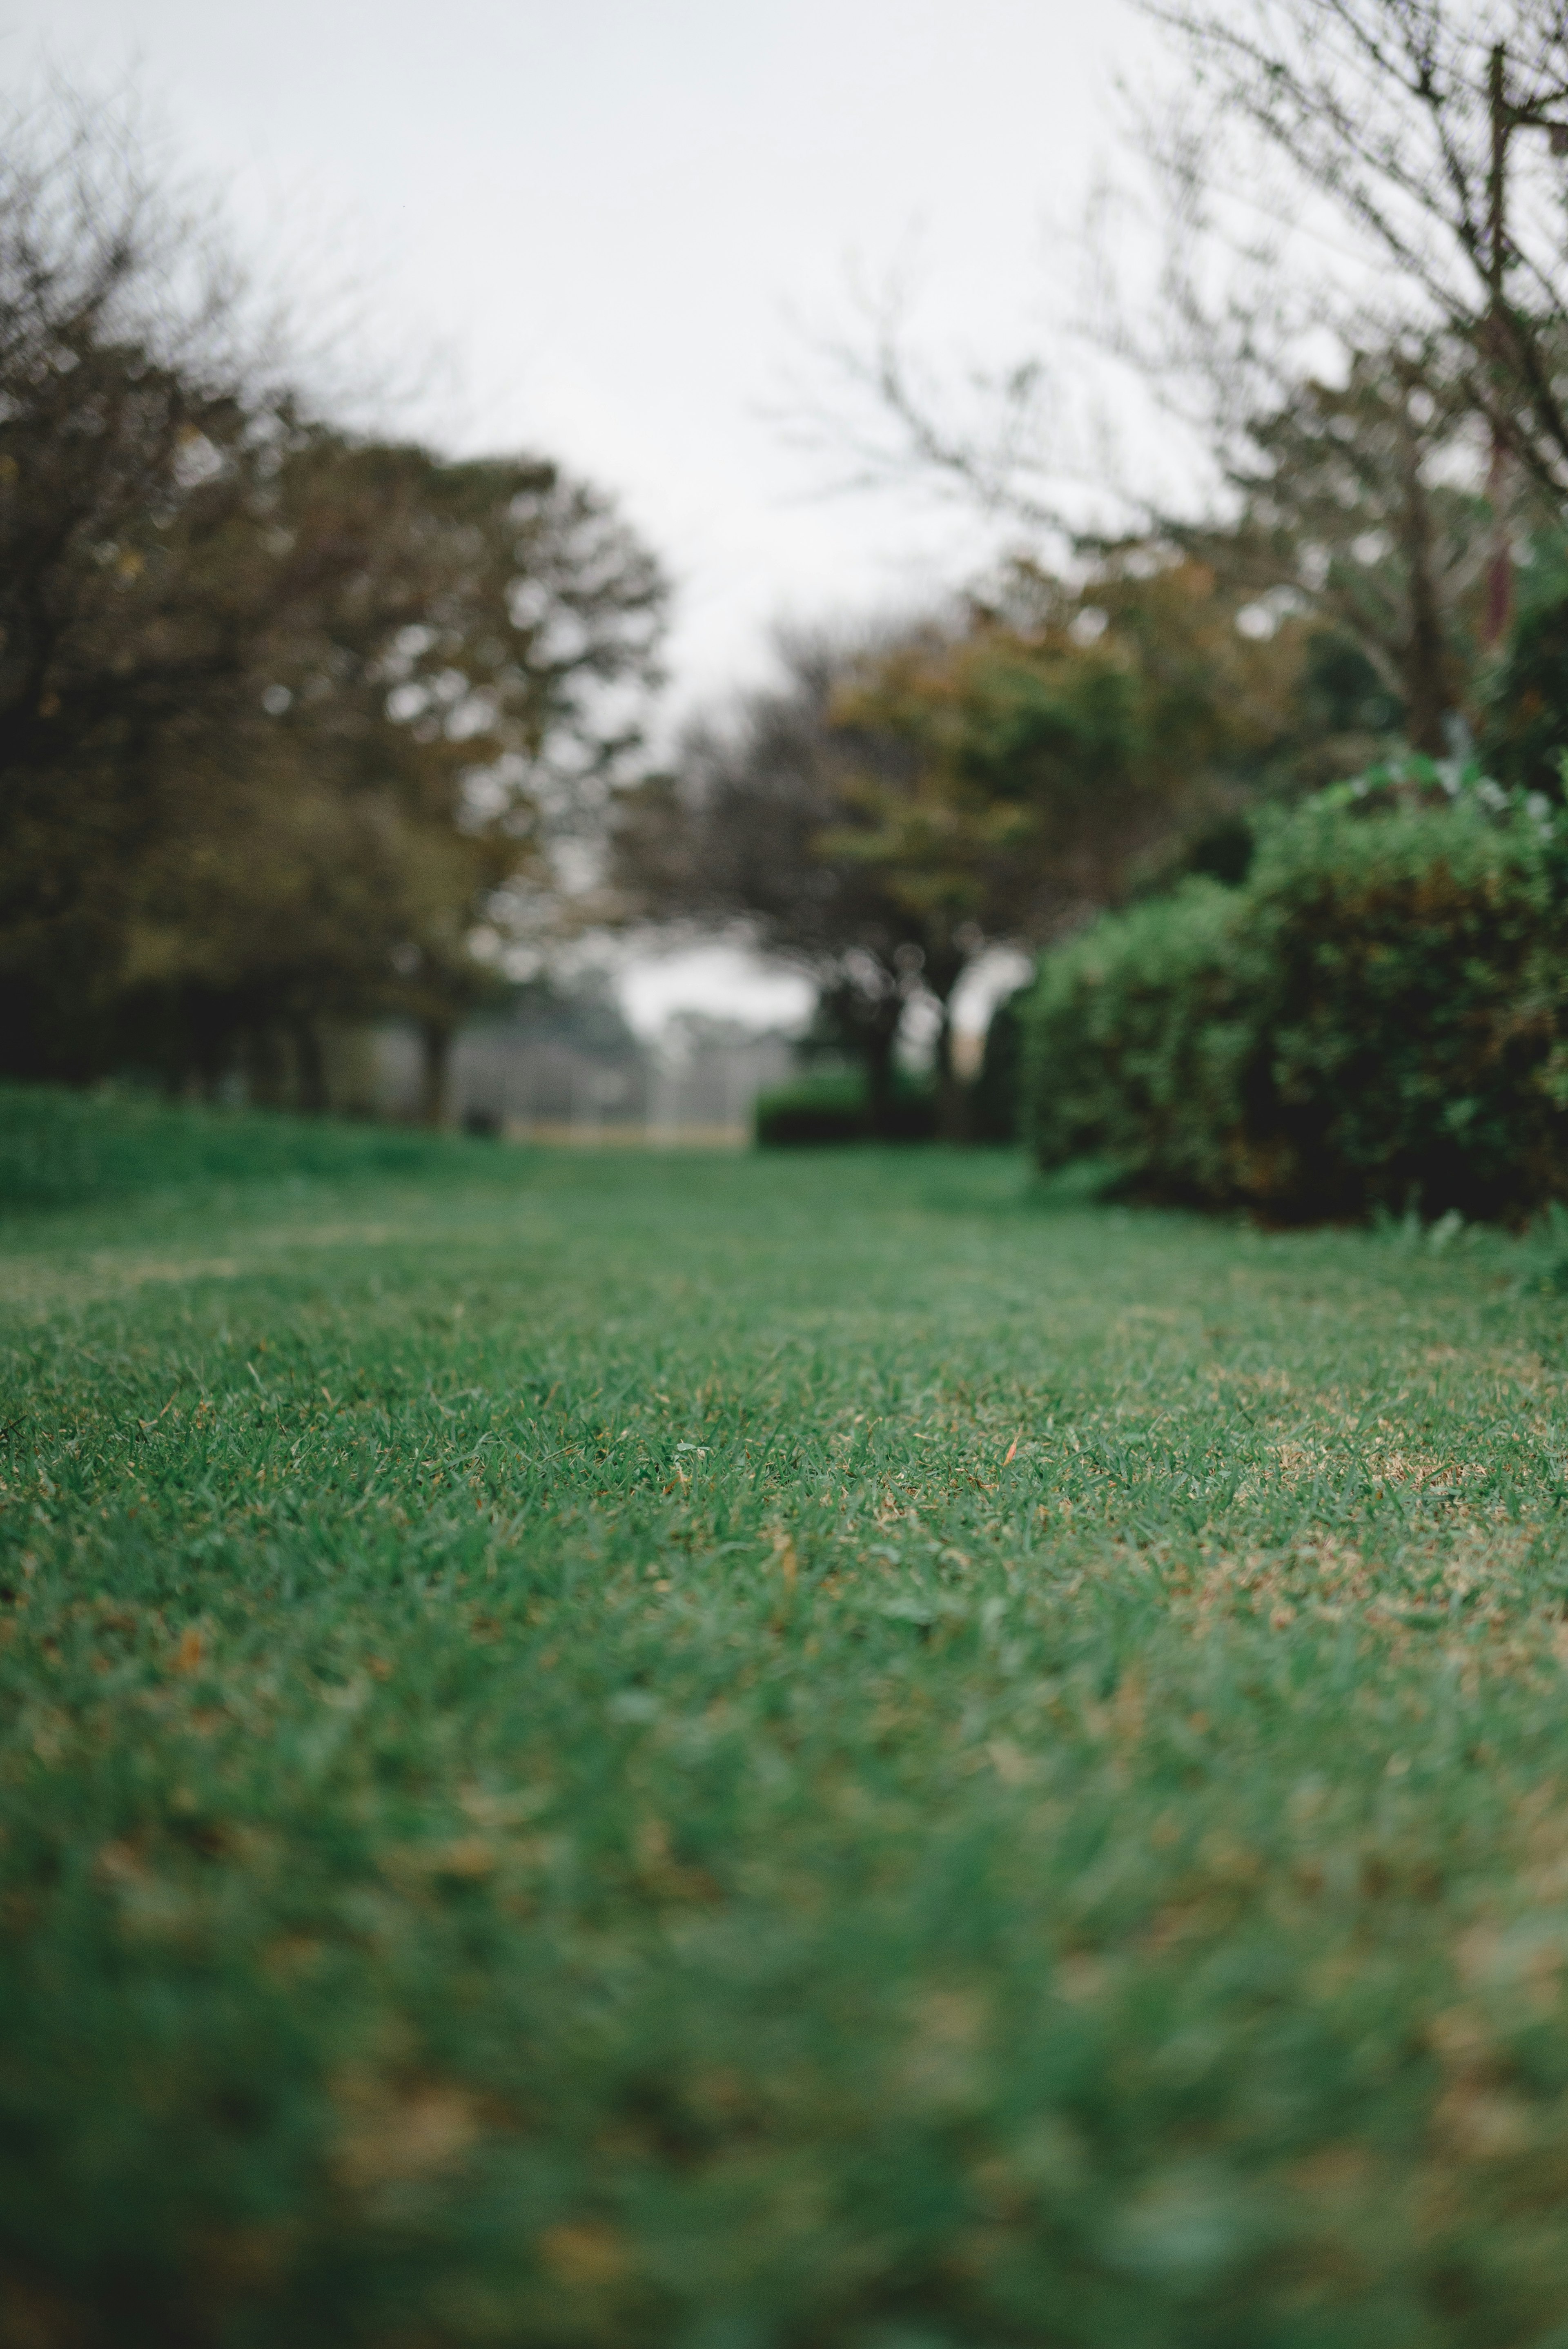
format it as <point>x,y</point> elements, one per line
<point>284,712</point>
<point>905,800</point>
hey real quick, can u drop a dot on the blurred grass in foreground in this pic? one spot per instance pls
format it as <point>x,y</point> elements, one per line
<point>802,1751</point>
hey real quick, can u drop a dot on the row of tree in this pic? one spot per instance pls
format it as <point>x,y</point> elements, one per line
<point>293,722</point>
<point>299,727</point>
<point>905,800</point>
<point>902,802</point>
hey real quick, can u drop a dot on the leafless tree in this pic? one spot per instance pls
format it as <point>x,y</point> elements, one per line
<point>1435,131</point>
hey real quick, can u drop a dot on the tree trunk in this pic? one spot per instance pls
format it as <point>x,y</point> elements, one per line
<point>952,1123</point>
<point>1424,662</point>
<point>434,1071</point>
<point>882,1034</point>
<point>212,1045</point>
<point>310,1068</point>
<point>266,1067</point>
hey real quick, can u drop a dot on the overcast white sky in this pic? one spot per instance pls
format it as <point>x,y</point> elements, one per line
<point>598,217</point>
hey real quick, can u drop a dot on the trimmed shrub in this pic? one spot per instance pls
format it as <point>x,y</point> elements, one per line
<point>829,1110</point>
<point>1133,1041</point>
<point>1377,1018</point>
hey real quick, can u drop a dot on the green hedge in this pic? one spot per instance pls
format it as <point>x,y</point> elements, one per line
<point>1378,1018</point>
<point>64,1149</point>
<point>829,1110</point>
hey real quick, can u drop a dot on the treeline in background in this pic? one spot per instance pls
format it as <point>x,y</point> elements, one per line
<point>1272,788</point>
<point>288,714</point>
<point>303,730</point>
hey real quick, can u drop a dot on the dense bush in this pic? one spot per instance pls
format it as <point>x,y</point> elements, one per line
<point>1526,717</point>
<point>833,1109</point>
<point>60,1148</point>
<point>1378,1018</point>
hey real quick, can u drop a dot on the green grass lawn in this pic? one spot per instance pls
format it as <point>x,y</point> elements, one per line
<point>831,1753</point>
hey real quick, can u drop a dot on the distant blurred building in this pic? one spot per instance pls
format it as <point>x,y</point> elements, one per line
<point>705,1075</point>
<point>569,1068</point>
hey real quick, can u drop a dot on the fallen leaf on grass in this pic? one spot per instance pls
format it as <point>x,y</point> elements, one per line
<point>467,1858</point>
<point>1476,2122</point>
<point>1011,1764</point>
<point>584,2253</point>
<point>120,1863</point>
<point>393,2133</point>
<point>246,2257</point>
<point>291,1955</point>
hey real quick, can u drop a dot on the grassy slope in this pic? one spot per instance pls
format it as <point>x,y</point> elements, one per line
<point>562,1782</point>
<point>61,1149</point>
